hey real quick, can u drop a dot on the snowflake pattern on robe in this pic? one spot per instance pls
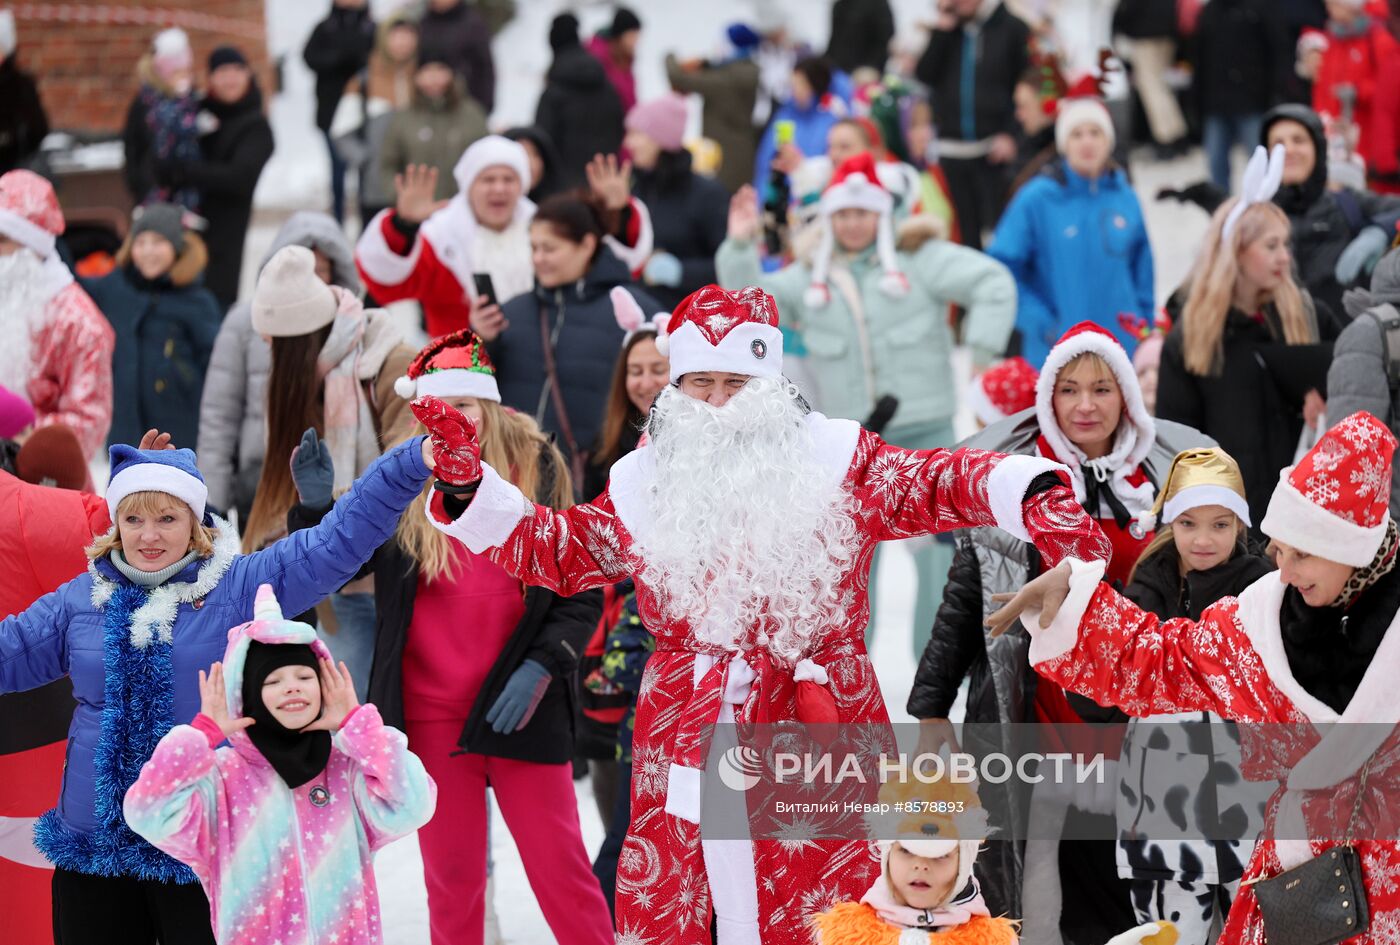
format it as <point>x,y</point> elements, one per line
<point>662,887</point>
<point>1125,657</point>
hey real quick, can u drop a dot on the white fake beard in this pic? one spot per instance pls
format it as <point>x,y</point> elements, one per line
<point>21,306</point>
<point>746,527</point>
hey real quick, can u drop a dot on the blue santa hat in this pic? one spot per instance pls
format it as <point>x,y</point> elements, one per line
<point>171,471</point>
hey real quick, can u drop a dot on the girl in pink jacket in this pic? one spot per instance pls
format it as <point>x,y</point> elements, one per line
<point>280,825</point>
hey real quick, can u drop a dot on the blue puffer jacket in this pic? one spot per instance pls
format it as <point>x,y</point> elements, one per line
<point>165,332</point>
<point>1078,249</point>
<point>134,656</point>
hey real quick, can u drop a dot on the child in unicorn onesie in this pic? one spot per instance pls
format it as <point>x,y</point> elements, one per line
<point>281,825</point>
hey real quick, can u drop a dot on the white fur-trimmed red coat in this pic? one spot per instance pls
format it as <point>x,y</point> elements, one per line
<point>1232,662</point>
<point>663,891</point>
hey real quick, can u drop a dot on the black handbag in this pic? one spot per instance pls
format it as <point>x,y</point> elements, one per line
<point>1322,901</point>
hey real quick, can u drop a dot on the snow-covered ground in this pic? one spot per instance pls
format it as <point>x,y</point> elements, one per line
<point>297,178</point>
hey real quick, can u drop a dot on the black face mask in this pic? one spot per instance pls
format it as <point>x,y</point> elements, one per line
<point>296,756</point>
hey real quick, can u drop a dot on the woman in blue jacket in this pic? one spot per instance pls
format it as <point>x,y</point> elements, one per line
<point>161,590</point>
<point>1075,240</point>
<point>165,322</point>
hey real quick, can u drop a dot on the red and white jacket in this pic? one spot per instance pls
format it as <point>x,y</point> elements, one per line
<point>663,889</point>
<point>1232,662</point>
<point>436,268</point>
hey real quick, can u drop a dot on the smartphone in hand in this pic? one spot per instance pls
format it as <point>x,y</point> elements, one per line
<point>484,287</point>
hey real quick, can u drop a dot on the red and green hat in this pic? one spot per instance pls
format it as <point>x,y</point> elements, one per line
<point>454,365</point>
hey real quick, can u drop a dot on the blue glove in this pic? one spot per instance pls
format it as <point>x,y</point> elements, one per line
<point>1361,254</point>
<point>312,470</point>
<point>519,699</point>
<point>662,269</point>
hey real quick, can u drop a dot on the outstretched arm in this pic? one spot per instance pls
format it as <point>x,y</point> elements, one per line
<point>921,492</point>
<point>567,552</point>
<point>1093,641</point>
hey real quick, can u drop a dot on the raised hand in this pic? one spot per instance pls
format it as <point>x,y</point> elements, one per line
<point>415,189</point>
<point>155,440</point>
<point>609,181</point>
<point>337,698</point>
<point>313,472</point>
<point>1046,594</point>
<point>213,701</point>
<point>743,214</point>
<point>455,449</point>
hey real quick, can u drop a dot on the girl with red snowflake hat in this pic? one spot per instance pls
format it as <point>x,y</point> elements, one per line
<point>1312,645</point>
<point>748,523</point>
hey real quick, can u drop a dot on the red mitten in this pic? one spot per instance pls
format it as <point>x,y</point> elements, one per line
<point>456,451</point>
<point>1060,528</point>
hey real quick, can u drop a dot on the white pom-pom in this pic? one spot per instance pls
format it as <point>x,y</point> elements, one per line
<point>817,296</point>
<point>894,284</point>
<point>663,345</point>
<point>406,387</point>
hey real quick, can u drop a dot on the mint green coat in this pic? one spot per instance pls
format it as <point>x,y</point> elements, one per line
<point>909,341</point>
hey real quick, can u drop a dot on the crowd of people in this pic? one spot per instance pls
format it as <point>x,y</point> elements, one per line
<point>676,393</point>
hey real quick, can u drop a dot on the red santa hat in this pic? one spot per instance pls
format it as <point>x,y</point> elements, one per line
<point>1083,105</point>
<point>454,365</point>
<point>1336,502</point>
<point>856,185</point>
<point>717,330</point>
<point>1005,388</point>
<point>29,212</point>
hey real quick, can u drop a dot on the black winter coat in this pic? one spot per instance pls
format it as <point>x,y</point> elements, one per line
<point>861,31</point>
<point>234,156</point>
<point>23,124</point>
<point>1254,407</point>
<point>1325,222</point>
<point>689,218</point>
<point>553,632</point>
<point>1145,19</point>
<point>1159,588</point>
<point>338,48</point>
<point>1244,58</point>
<point>1003,46</point>
<point>581,112</point>
<point>462,37</point>
<point>586,339</point>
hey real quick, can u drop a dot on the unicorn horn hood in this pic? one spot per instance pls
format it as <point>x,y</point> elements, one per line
<point>268,626</point>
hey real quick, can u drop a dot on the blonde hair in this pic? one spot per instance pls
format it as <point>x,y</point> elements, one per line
<point>1166,536</point>
<point>1094,360</point>
<point>512,444</point>
<point>1213,289</point>
<point>150,504</point>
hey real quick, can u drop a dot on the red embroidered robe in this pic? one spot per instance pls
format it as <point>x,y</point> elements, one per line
<point>1232,662</point>
<point>663,894</point>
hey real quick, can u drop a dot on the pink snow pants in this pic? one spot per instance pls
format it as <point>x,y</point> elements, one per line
<point>539,806</point>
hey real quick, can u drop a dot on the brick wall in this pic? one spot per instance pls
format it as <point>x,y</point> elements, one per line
<point>84,53</point>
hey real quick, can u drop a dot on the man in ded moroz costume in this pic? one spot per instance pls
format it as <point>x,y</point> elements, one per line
<point>748,523</point>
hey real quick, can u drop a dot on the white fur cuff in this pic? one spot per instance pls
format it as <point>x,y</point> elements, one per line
<point>381,263</point>
<point>1006,490</point>
<point>683,792</point>
<point>1059,638</point>
<point>493,514</point>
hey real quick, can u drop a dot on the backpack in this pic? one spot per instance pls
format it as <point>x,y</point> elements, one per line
<point>1387,320</point>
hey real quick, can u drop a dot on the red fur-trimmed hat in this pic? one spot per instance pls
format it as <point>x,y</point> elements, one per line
<point>717,330</point>
<point>856,185</point>
<point>1005,388</point>
<point>1335,503</point>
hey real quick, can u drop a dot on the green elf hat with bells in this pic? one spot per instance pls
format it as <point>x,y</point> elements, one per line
<point>454,365</point>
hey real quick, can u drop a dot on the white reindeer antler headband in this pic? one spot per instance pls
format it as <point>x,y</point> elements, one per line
<point>1261,180</point>
<point>630,317</point>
